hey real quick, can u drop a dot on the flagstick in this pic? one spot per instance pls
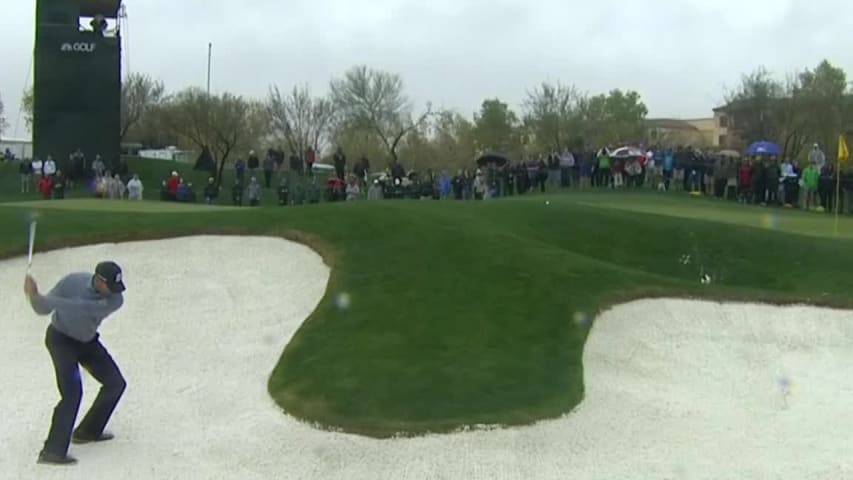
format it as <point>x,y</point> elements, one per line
<point>837,193</point>
<point>843,156</point>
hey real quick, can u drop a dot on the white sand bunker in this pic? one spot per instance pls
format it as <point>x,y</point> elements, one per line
<point>675,389</point>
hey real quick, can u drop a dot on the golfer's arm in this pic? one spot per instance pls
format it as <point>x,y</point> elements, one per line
<point>74,306</point>
<point>39,303</point>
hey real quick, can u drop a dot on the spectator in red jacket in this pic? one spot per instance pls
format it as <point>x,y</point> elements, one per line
<point>45,186</point>
<point>172,185</point>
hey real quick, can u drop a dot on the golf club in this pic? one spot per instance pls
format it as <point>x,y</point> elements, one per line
<point>31,245</point>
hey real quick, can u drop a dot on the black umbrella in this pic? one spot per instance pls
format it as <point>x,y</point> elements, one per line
<point>494,158</point>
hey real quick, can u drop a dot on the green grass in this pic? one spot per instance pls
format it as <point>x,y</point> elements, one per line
<point>462,313</point>
<point>99,205</point>
<point>791,221</point>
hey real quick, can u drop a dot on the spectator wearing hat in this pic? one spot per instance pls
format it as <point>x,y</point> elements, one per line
<point>172,185</point>
<point>211,191</point>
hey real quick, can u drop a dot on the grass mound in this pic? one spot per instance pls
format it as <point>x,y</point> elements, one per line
<point>465,313</point>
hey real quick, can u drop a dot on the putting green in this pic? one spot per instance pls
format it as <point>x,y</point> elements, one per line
<point>117,206</point>
<point>782,220</point>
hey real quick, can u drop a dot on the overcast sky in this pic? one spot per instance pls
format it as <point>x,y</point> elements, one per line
<point>681,55</point>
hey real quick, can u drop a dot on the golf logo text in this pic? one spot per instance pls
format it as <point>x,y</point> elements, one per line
<point>79,47</point>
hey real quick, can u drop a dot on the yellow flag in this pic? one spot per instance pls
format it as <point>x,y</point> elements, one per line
<point>843,152</point>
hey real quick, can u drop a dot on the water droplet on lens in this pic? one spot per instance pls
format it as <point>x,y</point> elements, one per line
<point>582,319</point>
<point>343,301</point>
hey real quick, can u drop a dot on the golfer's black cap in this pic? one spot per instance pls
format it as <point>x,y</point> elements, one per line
<point>110,273</point>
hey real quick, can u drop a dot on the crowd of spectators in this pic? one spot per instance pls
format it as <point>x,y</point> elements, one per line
<point>766,180</point>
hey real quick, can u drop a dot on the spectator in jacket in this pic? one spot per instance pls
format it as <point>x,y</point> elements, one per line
<point>45,187</point>
<point>340,161</point>
<point>253,163</point>
<point>185,193</point>
<point>240,170</point>
<point>444,186</point>
<point>730,172</point>
<point>49,166</point>
<point>353,189</point>
<point>253,192</point>
<point>134,188</point>
<point>375,191</point>
<point>116,188</point>
<point>25,171</point>
<point>759,182</point>
<point>744,178</point>
<point>211,191</point>
<point>58,184</point>
<point>719,176</point>
<point>269,167</point>
<point>98,167</point>
<point>172,185</point>
<point>826,188</point>
<point>817,157</point>
<point>809,182</point>
<point>771,183</point>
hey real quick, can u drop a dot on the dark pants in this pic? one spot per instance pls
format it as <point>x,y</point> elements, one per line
<point>67,354</point>
<point>720,187</point>
<point>267,177</point>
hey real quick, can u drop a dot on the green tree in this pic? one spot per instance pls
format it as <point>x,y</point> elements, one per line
<point>455,140</point>
<point>809,107</point>
<point>357,143</point>
<point>626,114</point>
<point>755,106</point>
<point>613,119</point>
<point>418,152</point>
<point>374,101</point>
<point>822,96</point>
<point>497,128</point>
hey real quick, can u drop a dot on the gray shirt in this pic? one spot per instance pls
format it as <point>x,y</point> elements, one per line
<point>78,309</point>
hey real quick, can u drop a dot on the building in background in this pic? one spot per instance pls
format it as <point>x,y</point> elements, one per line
<point>20,147</point>
<point>707,133</point>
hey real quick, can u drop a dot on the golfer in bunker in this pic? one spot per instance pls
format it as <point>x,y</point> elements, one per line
<point>79,303</point>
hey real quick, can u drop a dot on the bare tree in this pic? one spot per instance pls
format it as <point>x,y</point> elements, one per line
<point>139,93</point>
<point>552,112</point>
<point>374,100</point>
<point>3,124</point>
<point>300,119</point>
<point>27,107</point>
<point>223,123</point>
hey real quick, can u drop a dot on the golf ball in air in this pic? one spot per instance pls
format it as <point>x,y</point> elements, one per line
<point>547,202</point>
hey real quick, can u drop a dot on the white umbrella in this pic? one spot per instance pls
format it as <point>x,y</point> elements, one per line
<point>628,152</point>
